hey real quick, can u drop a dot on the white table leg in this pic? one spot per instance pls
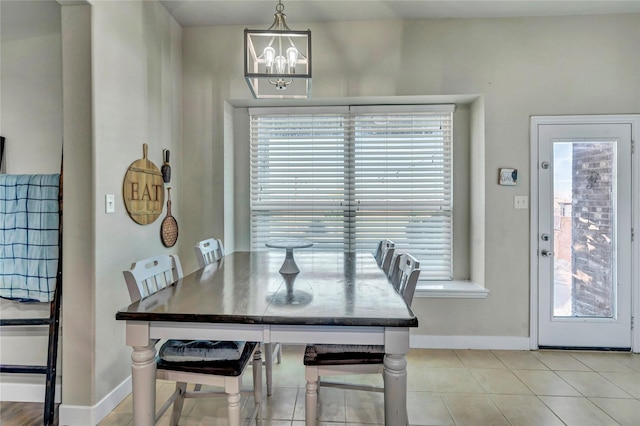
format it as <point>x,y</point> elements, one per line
<point>143,377</point>
<point>395,390</point>
<point>233,409</point>
<point>311,396</point>
<point>268,362</point>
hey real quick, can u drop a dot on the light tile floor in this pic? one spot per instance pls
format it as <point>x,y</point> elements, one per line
<point>451,387</point>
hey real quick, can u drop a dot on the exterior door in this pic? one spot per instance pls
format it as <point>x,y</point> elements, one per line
<point>584,238</point>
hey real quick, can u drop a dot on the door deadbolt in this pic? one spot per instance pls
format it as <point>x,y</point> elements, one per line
<point>544,237</point>
<point>544,165</point>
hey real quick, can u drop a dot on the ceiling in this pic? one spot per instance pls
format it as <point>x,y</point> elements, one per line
<point>260,12</point>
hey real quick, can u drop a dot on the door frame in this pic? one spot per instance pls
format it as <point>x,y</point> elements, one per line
<point>536,121</point>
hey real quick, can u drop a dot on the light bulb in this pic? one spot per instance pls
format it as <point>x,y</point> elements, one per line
<point>292,57</point>
<point>269,55</point>
<point>281,64</point>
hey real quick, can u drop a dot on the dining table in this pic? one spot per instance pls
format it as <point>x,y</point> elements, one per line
<point>336,298</point>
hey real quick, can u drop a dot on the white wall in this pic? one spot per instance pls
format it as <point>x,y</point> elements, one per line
<point>524,67</point>
<point>122,88</point>
<point>78,216</point>
<point>31,120</point>
<point>31,82</point>
<point>136,48</point>
<point>519,66</point>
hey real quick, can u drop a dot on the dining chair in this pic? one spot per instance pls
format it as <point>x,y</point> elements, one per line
<point>384,254</point>
<point>221,246</point>
<point>200,362</point>
<point>343,359</point>
<point>376,252</point>
<point>211,250</point>
<point>208,251</point>
<point>394,270</point>
<point>404,276</point>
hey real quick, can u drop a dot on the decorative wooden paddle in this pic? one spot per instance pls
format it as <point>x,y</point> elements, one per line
<point>169,226</point>
<point>143,190</point>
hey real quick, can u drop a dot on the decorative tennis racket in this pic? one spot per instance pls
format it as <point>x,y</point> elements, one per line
<point>169,226</point>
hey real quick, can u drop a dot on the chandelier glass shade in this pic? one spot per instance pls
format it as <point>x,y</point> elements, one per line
<point>277,61</point>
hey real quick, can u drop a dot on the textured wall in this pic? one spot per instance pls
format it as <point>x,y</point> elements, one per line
<point>592,229</point>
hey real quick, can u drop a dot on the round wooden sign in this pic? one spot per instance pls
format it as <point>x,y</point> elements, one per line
<point>143,190</point>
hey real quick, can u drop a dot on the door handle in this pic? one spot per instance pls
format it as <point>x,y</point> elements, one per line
<point>546,253</point>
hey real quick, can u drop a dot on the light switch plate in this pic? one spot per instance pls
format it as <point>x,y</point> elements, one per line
<point>520,202</point>
<point>110,203</point>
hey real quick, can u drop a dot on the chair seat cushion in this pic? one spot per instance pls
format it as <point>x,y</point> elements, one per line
<point>223,367</point>
<point>201,350</point>
<point>343,354</point>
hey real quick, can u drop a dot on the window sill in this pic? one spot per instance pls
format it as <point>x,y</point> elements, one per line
<point>451,289</point>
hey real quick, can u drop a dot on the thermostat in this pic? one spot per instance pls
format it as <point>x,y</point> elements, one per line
<point>508,176</point>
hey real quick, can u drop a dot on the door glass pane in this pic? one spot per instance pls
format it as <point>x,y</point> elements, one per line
<point>584,187</point>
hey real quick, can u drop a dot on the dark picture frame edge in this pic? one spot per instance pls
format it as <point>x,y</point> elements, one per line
<point>1,152</point>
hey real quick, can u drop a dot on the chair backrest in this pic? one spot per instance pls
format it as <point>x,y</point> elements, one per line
<point>376,252</point>
<point>394,272</point>
<point>404,276</point>
<point>221,247</point>
<point>150,275</point>
<point>208,251</point>
<point>384,254</point>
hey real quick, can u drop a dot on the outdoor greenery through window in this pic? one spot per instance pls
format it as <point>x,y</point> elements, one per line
<point>347,177</point>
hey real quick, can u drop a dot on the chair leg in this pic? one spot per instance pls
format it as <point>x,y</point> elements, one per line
<point>257,384</point>
<point>178,403</point>
<point>311,396</point>
<point>268,362</point>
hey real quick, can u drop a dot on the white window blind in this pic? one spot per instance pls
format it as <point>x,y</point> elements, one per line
<point>347,178</point>
<point>298,177</point>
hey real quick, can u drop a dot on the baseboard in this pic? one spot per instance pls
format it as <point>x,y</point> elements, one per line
<point>511,343</point>
<point>79,415</point>
<point>26,392</point>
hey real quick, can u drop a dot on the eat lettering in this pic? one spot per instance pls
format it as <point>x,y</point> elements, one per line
<point>150,193</point>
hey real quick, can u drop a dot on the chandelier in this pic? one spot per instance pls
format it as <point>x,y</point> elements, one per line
<point>277,61</point>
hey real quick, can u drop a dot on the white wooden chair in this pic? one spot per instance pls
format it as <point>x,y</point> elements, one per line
<point>384,254</point>
<point>329,360</point>
<point>398,275</point>
<point>219,364</point>
<point>404,276</point>
<point>211,250</point>
<point>208,251</point>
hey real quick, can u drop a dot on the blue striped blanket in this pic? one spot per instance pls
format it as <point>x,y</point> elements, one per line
<point>29,227</point>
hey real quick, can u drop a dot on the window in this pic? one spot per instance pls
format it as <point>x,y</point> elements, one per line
<point>348,177</point>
